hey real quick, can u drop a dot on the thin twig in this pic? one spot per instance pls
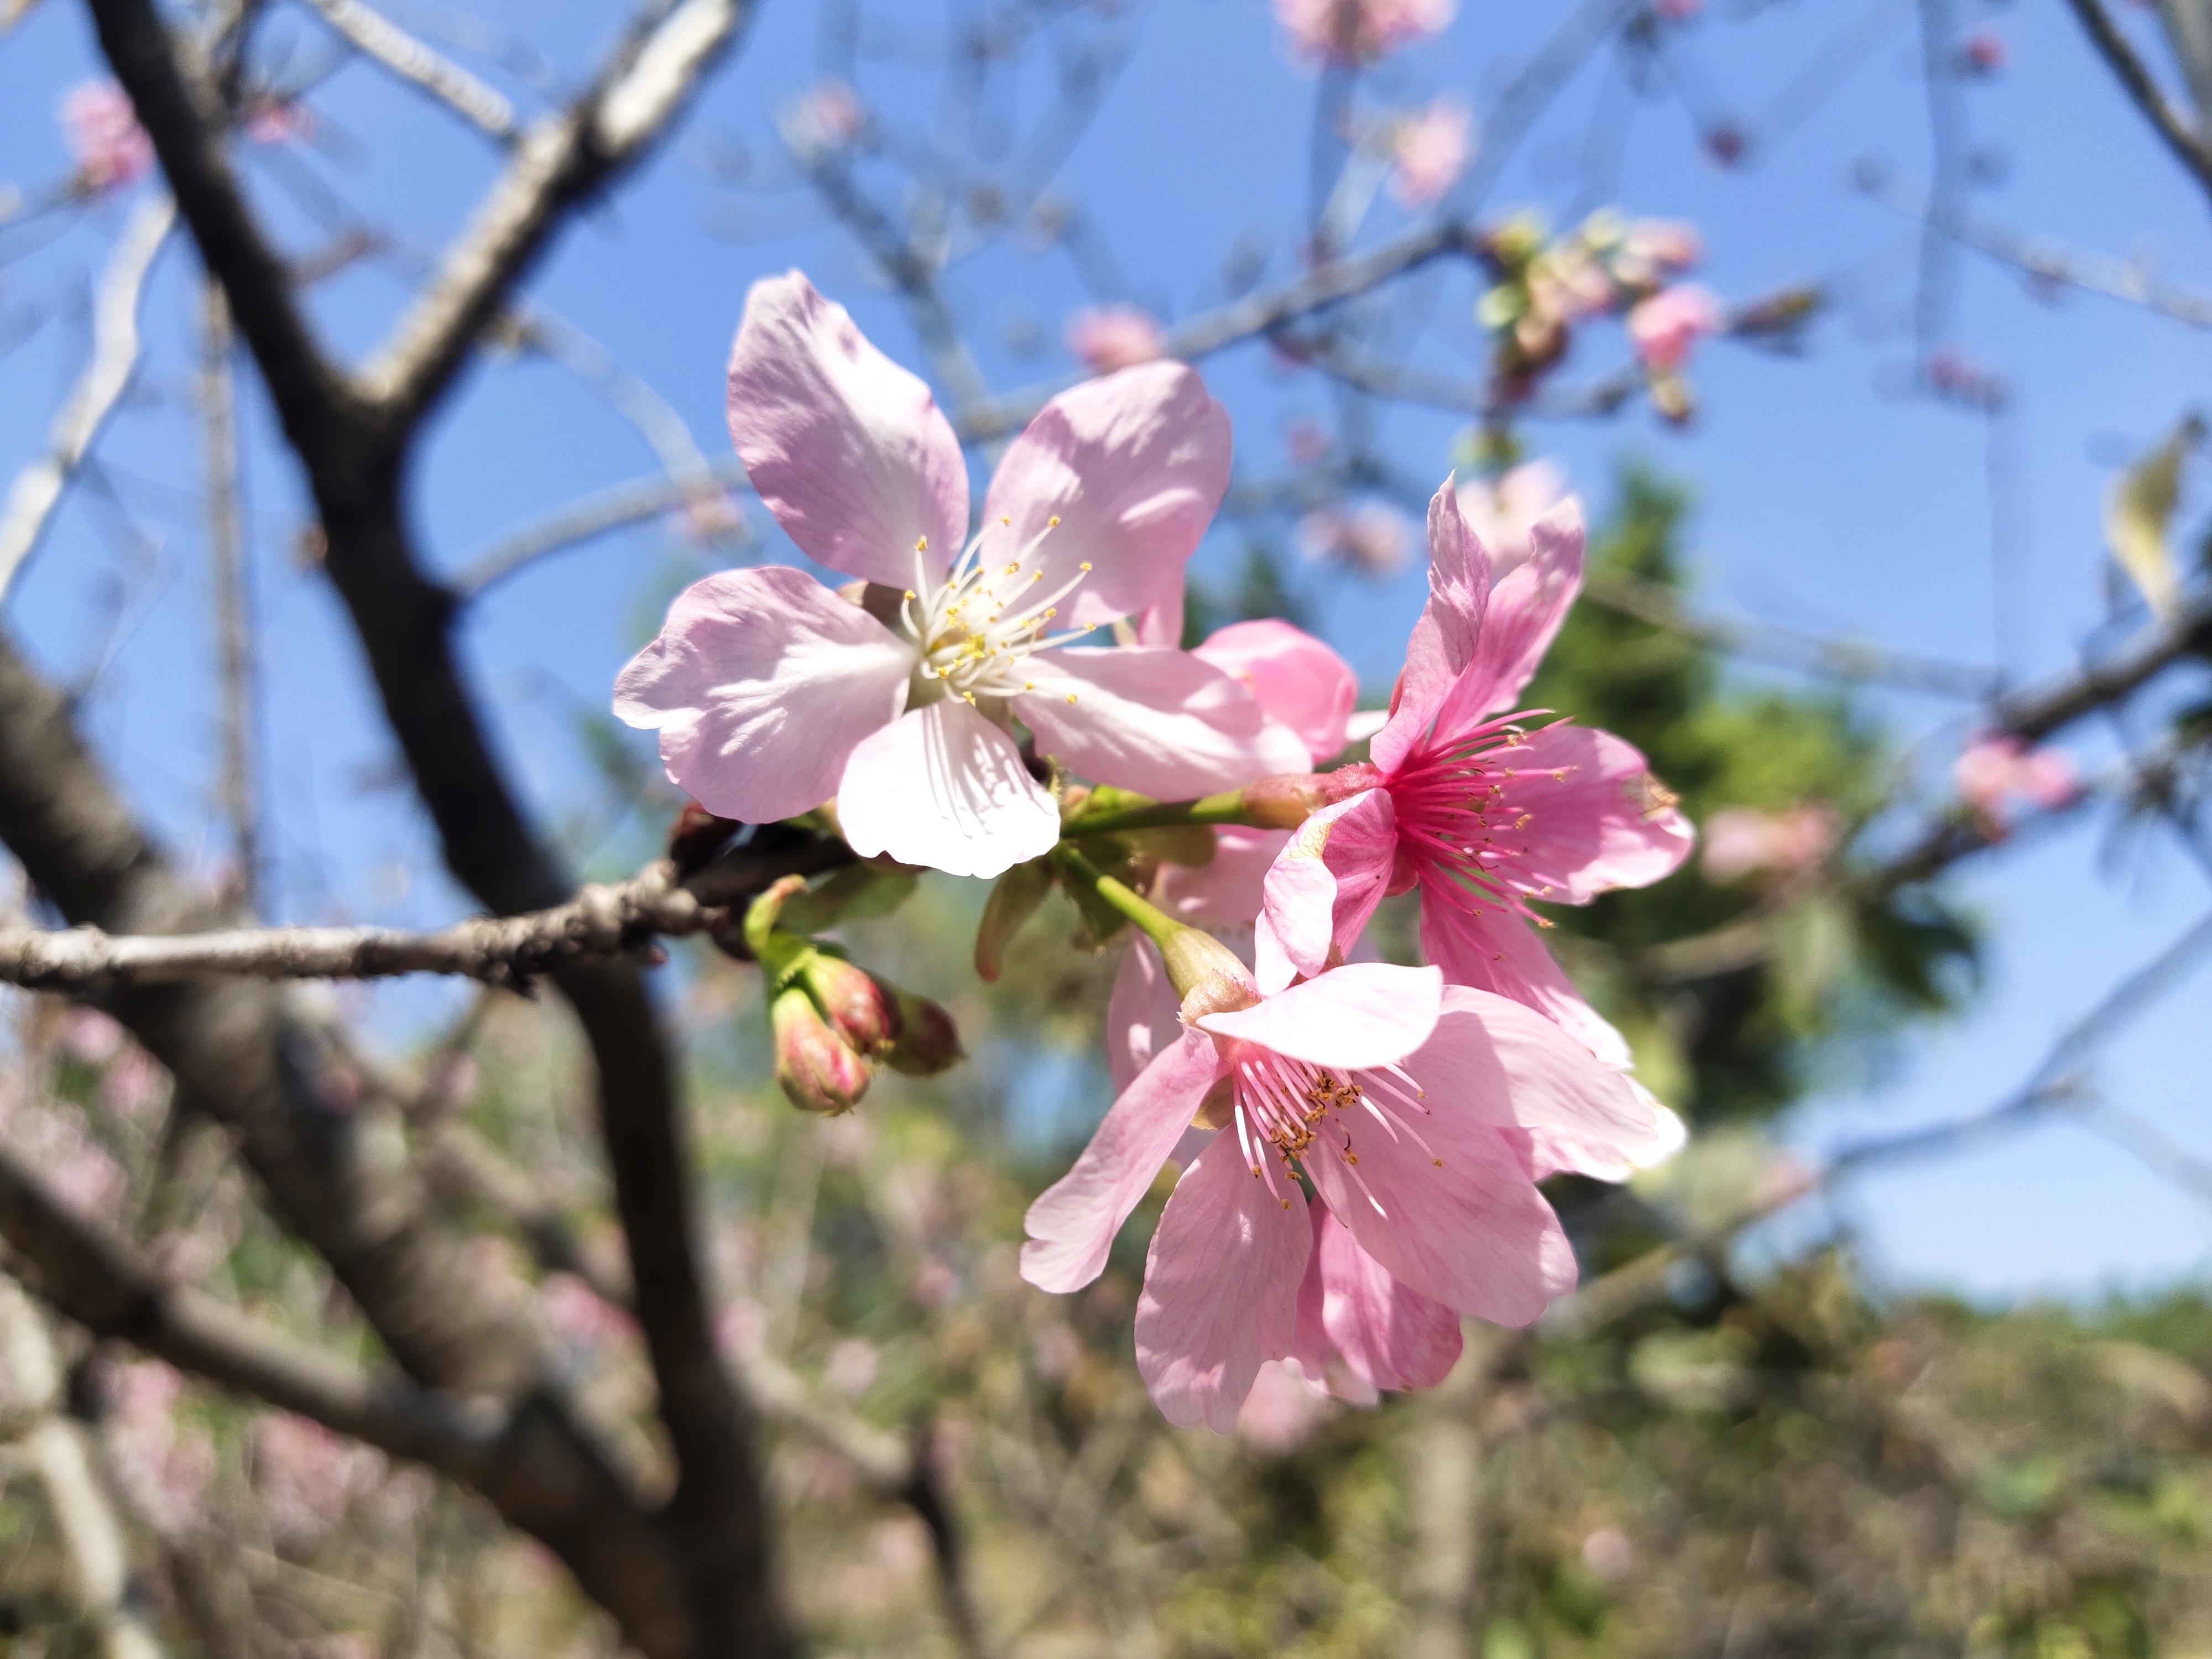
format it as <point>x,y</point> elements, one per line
<point>233,602</point>
<point>378,36</point>
<point>2179,134</point>
<point>39,487</point>
<point>595,515</point>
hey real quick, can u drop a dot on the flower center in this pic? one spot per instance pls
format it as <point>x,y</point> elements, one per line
<point>975,631</point>
<point>1289,1111</point>
<point>1454,820</point>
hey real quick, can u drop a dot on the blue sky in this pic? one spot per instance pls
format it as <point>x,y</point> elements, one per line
<point>1829,498</point>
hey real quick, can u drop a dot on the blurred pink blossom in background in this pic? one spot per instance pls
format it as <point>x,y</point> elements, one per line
<point>1373,539</point>
<point>1739,841</point>
<point>1429,151</point>
<point>580,1314</point>
<point>827,116</point>
<point>1667,326</point>
<point>163,1462</point>
<point>1984,52</point>
<point>308,1476</point>
<point>279,122</point>
<point>1502,511</point>
<point>1283,1410</point>
<point>1996,769</point>
<point>1359,31</point>
<point>1108,337</point>
<point>111,149</point>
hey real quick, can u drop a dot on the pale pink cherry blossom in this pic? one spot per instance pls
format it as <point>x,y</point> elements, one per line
<point>1502,513</point>
<point>309,1477</point>
<point>1466,801</point>
<point>1742,841</point>
<point>1666,328</point>
<point>773,695</point>
<point>1371,540</point>
<point>279,122</point>
<point>828,115</point>
<point>1106,338</point>
<point>1406,1103</point>
<point>111,149</point>
<point>1429,151</point>
<point>164,1464</point>
<point>1996,771</point>
<point>1283,1410</point>
<point>1351,31</point>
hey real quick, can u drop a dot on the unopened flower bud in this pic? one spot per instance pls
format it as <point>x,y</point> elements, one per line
<point>817,1071</point>
<point>1206,973</point>
<point>1287,801</point>
<point>851,1000</point>
<point>929,1042</point>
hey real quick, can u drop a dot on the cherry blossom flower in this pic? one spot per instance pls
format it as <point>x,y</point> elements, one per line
<point>1665,328</point>
<point>111,149</point>
<point>1996,770</point>
<point>1501,514</point>
<point>1408,1105</point>
<point>279,122</point>
<point>1351,31</point>
<point>1984,52</point>
<point>828,115</point>
<point>1372,540</point>
<point>1465,802</point>
<point>1108,337</point>
<point>309,1477</point>
<point>772,694</point>
<point>1429,151</point>
<point>1742,840</point>
<point>163,1463</point>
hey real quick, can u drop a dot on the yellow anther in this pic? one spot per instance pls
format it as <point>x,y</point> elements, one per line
<point>1028,685</point>
<point>1084,566</point>
<point>910,594</point>
<point>921,543</point>
<point>971,696</point>
<point>1013,567</point>
<point>1071,696</point>
<point>1053,523</point>
<point>1004,520</point>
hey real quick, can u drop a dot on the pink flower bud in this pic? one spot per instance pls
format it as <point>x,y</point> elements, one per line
<point>818,1071</point>
<point>854,1003</point>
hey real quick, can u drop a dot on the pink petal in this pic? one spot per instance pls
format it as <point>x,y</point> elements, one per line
<point>941,786</point>
<point>1221,1286</point>
<point>1149,718</point>
<point>1324,886</point>
<point>1296,678</point>
<point>1446,639</point>
<point>1133,466</point>
<point>1494,951</point>
<point>1144,1015</point>
<point>1525,610</point>
<point>1472,1232</point>
<point>1582,815</point>
<point>849,450</point>
<point>762,683</point>
<point>1161,624</point>
<point>1389,1336</point>
<point>1496,1062</point>
<point>1367,1013</point>
<point>1071,1226</point>
<point>1225,891</point>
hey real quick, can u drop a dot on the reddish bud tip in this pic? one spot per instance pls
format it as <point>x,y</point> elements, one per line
<point>855,1006</point>
<point>816,1070</point>
<point>929,1042</point>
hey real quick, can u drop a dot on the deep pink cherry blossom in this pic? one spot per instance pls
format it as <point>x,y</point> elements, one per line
<point>1481,808</point>
<point>1408,1105</point>
<point>1351,31</point>
<point>1666,327</point>
<point>111,149</point>
<point>773,695</point>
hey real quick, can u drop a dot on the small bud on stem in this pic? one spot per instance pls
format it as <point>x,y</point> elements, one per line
<point>816,1070</point>
<point>854,1003</point>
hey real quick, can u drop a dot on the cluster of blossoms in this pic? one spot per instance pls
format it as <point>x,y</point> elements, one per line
<point>1997,772</point>
<point>1360,1144</point>
<point>1542,286</point>
<point>111,149</point>
<point>1430,150</point>
<point>1742,841</point>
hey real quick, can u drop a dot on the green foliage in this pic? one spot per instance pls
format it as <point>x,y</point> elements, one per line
<point>1744,1042</point>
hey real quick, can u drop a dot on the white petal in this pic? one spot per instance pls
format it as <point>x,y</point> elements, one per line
<point>943,787</point>
<point>1153,719</point>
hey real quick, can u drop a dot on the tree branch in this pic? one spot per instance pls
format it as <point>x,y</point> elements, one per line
<point>594,515</point>
<point>38,488</point>
<point>2180,136</point>
<point>377,37</point>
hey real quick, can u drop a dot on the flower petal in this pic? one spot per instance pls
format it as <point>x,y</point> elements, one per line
<point>762,683</point>
<point>1227,889</point>
<point>1324,886</point>
<point>1582,815</point>
<point>1390,1336</point>
<point>1294,677</point>
<point>1367,1013</point>
<point>1494,950</point>
<point>1446,639</point>
<point>1470,1230</point>
<point>849,450</point>
<point>942,785</point>
<point>1071,1226</point>
<point>1144,1015</point>
<point>1133,465</point>
<point>1496,1062</point>
<point>1149,718</point>
<point>1525,610</point>
<point>1221,1287</point>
